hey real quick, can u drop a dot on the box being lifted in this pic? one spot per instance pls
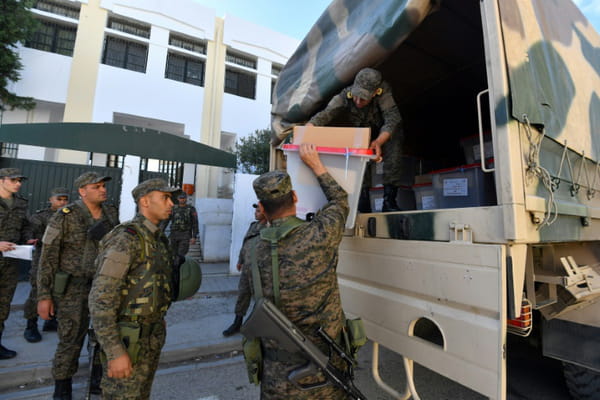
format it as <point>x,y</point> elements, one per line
<point>346,165</point>
<point>332,137</point>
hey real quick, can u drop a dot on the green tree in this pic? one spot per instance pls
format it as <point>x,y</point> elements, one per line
<point>253,152</point>
<point>17,24</point>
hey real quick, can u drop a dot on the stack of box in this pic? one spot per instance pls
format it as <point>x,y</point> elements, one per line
<point>463,186</point>
<point>472,147</point>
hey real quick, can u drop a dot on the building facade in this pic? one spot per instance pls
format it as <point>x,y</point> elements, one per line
<point>173,66</point>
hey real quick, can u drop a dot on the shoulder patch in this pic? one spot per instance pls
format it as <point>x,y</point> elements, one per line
<point>131,231</point>
<point>349,95</point>
<point>65,210</point>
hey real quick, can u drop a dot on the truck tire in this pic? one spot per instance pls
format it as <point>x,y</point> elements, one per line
<point>583,383</point>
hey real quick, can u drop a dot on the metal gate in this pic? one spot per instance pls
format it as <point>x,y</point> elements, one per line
<point>44,175</point>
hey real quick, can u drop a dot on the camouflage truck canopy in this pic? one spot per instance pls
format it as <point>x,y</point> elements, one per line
<point>554,62</point>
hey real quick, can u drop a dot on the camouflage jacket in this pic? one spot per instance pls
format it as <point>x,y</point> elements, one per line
<point>184,219</point>
<point>122,264</point>
<point>381,114</point>
<point>308,258</point>
<point>253,231</point>
<point>38,222</point>
<point>14,224</point>
<point>66,245</point>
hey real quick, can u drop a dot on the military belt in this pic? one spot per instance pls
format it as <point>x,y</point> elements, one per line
<point>283,356</point>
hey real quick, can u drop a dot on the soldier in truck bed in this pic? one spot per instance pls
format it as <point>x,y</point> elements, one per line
<point>369,103</point>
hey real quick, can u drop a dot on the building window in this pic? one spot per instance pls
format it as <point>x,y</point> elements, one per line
<point>66,10</point>
<point>125,54</point>
<point>196,46</point>
<point>240,83</point>
<point>53,37</point>
<point>240,59</point>
<point>133,28</point>
<point>185,69</point>
<point>9,150</point>
<point>114,161</point>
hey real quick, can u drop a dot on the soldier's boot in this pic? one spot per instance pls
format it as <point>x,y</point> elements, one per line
<point>235,327</point>
<point>62,389</point>
<point>96,379</point>
<point>31,334</point>
<point>5,353</point>
<point>50,325</point>
<point>364,203</point>
<point>389,198</point>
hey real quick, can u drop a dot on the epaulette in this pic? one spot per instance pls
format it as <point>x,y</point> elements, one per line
<point>65,210</point>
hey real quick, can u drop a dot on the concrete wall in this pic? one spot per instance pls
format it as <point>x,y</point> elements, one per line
<point>214,219</point>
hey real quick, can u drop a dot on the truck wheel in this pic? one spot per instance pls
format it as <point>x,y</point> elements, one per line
<point>583,383</point>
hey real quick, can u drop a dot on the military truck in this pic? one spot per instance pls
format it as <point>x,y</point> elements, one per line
<point>500,102</point>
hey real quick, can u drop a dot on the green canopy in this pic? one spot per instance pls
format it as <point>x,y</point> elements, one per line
<point>116,139</point>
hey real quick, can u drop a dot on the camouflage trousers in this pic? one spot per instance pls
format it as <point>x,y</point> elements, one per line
<point>73,318</point>
<point>180,242</point>
<point>244,294</point>
<point>275,385</point>
<point>139,384</point>
<point>9,274</point>
<point>30,308</point>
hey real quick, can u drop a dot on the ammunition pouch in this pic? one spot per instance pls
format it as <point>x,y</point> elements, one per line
<point>130,333</point>
<point>354,336</point>
<point>254,359</point>
<point>61,282</point>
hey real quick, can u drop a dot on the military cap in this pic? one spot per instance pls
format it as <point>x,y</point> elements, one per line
<point>366,82</point>
<point>151,185</point>
<point>87,178</point>
<point>59,191</point>
<point>11,173</point>
<point>272,185</point>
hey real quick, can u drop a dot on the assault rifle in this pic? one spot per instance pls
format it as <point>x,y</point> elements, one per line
<point>95,369</point>
<point>266,321</point>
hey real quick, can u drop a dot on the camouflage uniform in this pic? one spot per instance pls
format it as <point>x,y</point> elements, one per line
<point>133,253</point>
<point>67,247</point>
<point>38,222</point>
<point>14,227</point>
<point>244,293</point>
<point>309,289</point>
<point>381,114</point>
<point>184,226</point>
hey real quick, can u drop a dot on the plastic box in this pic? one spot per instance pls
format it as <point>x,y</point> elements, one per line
<point>346,165</point>
<point>425,196</point>
<point>472,149</point>
<point>464,186</point>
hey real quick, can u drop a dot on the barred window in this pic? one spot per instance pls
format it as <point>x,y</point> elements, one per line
<point>240,59</point>
<point>66,10</point>
<point>9,150</point>
<point>240,83</point>
<point>197,46</point>
<point>185,69</point>
<point>133,28</point>
<point>114,161</point>
<point>125,54</point>
<point>53,37</point>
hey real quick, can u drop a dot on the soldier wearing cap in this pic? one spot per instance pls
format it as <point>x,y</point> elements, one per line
<point>184,226</point>
<point>66,269</point>
<point>59,197</point>
<point>14,228</point>
<point>133,257</point>
<point>308,292</point>
<point>244,294</point>
<point>369,102</point>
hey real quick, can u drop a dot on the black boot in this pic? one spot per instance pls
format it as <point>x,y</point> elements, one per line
<point>31,334</point>
<point>50,325</point>
<point>5,353</point>
<point>389,198</point>
<point>364,203</point>
<point>62,389</point>
<point>235,327</point>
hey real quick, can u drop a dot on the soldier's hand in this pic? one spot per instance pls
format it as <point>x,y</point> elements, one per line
<point>120,367</point>
<point>310,157</point>
<point>45,309</point>
<point>377,147</point>
<point>32,241</point>
<point>7,246</point>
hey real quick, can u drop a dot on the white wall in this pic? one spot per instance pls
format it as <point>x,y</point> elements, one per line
<point>243,215</point>
<point>130,177</point>
<point>214,219</point>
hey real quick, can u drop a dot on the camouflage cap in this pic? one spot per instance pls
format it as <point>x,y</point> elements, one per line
<point>366,82</point>
<point>59,191</point>
<point>151,185</point>
<point>87,178</point>
<point>11,173</point>
<point>272,185</point>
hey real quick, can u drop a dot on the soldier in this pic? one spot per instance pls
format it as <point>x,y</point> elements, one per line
<point>129,319</point>
<point>66,270</point>
<point>369,102</point>
<point>14,228</point>
<point>59,197</point>
<point>244,294</point>
<point>184,226</point>
<point>308,292</point>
